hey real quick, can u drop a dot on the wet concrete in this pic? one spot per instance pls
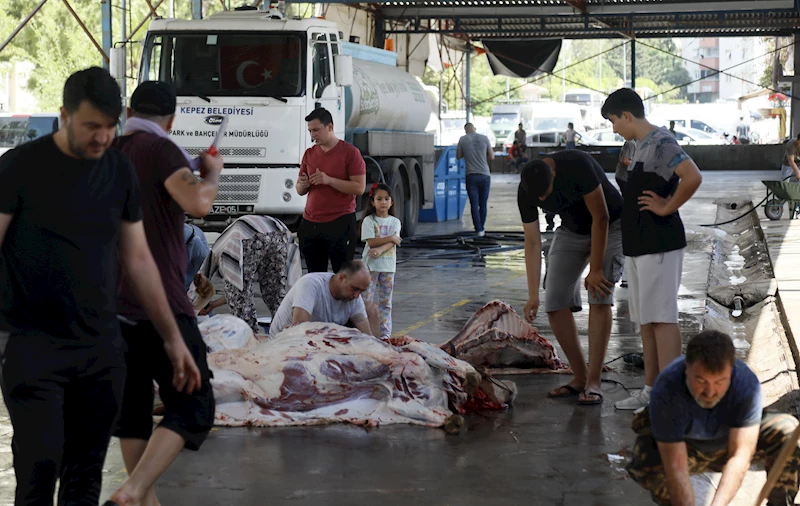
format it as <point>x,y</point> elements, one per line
<point>542,451</point>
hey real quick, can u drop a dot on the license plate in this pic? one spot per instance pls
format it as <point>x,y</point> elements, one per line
<point>218,209</point>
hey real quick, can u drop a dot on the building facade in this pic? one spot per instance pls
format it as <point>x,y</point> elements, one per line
<point>737,56</point>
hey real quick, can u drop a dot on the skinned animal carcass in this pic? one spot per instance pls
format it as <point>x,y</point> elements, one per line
<point>318,373</point>
<point>225,332</point>
<point>496,339</point>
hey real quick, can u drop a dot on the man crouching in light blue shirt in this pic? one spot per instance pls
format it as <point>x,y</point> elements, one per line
<point>705,415</point>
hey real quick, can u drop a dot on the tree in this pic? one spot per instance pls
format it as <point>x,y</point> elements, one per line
<point>774,65</point>
<point>657,59</point>
<point>486,89</point>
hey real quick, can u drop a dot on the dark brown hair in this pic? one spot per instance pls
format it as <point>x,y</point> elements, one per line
<point>713,349</point>
<point>371,205</point>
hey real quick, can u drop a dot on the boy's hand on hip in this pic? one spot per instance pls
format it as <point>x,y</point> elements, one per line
<point>653,203</point>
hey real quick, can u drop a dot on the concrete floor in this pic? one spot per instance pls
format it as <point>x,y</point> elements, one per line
<point>542,451</point>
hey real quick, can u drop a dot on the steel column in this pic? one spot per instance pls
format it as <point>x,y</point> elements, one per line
<point>197,9</point>
<point>467,99</point>
<point>123,82</point>
<point>380,31</point>
<point>795,122</point>
<point>633,64</point>
<point>108,39</point>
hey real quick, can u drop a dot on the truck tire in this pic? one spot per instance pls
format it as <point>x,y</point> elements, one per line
<point>412,205</point>
<point>393,174</point>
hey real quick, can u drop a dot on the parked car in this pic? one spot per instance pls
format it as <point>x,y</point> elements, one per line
<point>685,136</point>
<point>16,129</point>
<point>550,139</point>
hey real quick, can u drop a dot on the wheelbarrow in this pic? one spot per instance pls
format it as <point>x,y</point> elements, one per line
<point>779,193</point>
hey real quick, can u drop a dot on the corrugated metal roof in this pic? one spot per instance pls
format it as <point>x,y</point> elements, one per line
<point>592,18</point>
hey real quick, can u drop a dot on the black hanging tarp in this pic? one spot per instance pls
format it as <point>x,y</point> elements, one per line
<point>522,58</point>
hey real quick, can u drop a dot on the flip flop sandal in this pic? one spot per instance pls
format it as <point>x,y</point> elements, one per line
<point>591,402</point>
<point>571,392</point>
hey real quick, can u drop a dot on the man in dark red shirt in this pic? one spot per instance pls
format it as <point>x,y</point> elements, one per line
<point>332,173</point>
<point>168,190</point>
<point>516,156</point>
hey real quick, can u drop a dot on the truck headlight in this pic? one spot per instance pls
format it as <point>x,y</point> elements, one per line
<point>286,197</point>
<point>288,184</point>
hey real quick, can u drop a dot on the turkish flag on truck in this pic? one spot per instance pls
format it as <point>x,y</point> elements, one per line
<point>250,66</point>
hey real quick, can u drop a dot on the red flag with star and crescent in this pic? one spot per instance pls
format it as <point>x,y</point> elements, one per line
<point>244,67</point>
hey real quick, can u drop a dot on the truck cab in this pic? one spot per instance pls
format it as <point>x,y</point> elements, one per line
<point>266,74</point>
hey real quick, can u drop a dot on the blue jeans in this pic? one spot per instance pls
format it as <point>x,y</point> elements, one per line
<point>478,190</point>
<point>570,145</point>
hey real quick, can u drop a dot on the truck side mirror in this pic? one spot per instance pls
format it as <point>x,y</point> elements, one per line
<point>116,65</point>
<point>343,68</point>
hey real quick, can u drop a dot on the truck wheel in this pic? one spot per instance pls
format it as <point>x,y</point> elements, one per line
<point>392,173</point>
<point>412,205</point>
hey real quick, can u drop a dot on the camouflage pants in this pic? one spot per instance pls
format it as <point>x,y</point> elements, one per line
<point>647,470</point>
<point>264,258</point>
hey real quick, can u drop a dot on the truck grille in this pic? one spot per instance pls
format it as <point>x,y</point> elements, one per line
<point>238,188</point>
<point>248,152</point>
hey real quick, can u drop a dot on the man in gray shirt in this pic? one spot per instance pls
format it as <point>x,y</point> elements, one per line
<point>326,297</point>
<point>477,152</point>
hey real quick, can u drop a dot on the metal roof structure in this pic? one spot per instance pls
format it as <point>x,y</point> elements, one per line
<point>582,19</point>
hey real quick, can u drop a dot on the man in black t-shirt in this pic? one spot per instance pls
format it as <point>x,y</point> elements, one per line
<point>572,184</point>
<point>69,208</point>
<point>169,189</point>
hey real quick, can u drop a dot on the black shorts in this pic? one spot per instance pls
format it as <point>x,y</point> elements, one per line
<point>189,415</point>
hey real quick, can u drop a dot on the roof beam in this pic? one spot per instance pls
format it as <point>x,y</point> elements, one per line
<point>577,4</point>
<point>441,8</point>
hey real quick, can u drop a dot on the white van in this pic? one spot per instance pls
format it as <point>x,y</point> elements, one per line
<point>544,122</point>
<point>551,117</point>
<point>505,120</point>
<point>16,129</point>
<point>590,103</point>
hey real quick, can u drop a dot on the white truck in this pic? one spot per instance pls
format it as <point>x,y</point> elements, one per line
<point>266,73</point>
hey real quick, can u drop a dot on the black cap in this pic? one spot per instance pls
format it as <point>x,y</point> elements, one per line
<point>155,98</point>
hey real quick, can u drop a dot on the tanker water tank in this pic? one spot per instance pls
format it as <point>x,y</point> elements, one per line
<point>385,98</point>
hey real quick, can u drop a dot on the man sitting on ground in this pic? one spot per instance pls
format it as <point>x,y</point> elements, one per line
<point>330,298</point>
<point>516,156</point>
<point>705,415</point>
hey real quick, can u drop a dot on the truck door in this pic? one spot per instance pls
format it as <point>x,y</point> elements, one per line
<point>324,91</point>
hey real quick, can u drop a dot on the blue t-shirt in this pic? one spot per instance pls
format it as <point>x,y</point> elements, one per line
<point>675,416</point>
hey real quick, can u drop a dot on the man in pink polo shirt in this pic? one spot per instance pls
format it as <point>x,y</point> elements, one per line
<point>332,173</point>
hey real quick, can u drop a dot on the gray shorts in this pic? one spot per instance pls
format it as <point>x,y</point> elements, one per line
<point>653,284</point>
<point>568,257</point>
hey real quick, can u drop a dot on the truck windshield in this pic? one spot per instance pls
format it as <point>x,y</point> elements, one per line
<point>581,99</point>
<point>230,64</point>
<point>500,118</point>
<point>551,123</point>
